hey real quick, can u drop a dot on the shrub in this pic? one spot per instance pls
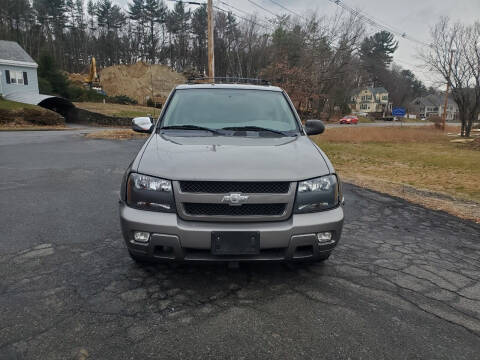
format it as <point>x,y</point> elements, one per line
<point>6,116</point>
<point>51,80</point>
<point>154,104</point>
<point>76,93</point>
<point>437,121</point>
<point>121,99</point>
<point>42,117</point>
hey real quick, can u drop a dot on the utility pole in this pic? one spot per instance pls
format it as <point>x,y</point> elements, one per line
<point>211,58</point>
<point>444,116</point>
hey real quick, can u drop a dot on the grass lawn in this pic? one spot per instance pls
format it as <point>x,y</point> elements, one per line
<point>13,105</point>
<point>422,158</point>
<point>118,110</point>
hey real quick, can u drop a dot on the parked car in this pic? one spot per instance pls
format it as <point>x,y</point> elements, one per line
<point>349,119</point>
<point>230,174</point>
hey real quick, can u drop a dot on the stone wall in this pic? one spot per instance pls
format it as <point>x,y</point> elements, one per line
<point>82,116</point>
<point>35,116</point>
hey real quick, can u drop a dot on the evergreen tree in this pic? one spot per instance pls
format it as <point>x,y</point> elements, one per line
<point>178,25</point>
<point>376,53</point>
<point>199,32</point>
<point>136,13</point>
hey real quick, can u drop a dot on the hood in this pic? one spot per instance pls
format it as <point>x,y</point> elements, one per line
<point>232,158</point>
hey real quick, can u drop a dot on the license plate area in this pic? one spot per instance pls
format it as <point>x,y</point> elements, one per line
<point>235,242</point>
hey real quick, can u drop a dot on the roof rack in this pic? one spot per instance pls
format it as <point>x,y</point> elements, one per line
<point>227,80</point>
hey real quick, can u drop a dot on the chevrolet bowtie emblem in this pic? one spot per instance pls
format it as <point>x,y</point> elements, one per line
<point>235,199</point>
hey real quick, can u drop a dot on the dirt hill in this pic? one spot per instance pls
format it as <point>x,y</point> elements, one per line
<point>136,81</point>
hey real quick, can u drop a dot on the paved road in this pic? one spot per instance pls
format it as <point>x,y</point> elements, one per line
<point>403,284</point>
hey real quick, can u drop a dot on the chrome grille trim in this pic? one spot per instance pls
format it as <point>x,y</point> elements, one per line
<point>182,197</point>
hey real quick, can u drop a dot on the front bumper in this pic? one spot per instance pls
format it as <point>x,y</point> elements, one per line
<point>175,239</point>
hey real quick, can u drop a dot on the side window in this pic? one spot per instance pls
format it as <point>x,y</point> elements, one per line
<point>19,77</point>
<point>16,77</point>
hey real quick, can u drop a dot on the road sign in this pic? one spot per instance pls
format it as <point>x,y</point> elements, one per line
<point>399,112</point>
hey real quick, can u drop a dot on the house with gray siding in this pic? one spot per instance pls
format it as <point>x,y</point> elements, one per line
<point>18,70</point>
<point>432,106</point>
<point>19,81</point>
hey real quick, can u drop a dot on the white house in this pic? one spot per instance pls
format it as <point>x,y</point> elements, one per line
<point>433,105</point>
<point>18,69</point>
<point>19,82</point>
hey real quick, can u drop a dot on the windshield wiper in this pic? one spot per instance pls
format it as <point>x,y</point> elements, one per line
<point>257,128</point>
<point>190,127</point>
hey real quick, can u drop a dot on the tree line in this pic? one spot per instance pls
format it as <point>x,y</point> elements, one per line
<point>319,60</point>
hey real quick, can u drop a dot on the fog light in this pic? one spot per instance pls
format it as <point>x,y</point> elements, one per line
<point>324,237</point>
<point>141,236</point>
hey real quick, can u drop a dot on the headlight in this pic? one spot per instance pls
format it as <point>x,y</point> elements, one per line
<point>150,193</point>
<point>143,182</point>
<point>317,194</point>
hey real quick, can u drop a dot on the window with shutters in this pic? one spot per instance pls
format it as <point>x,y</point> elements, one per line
<point>16,77</point>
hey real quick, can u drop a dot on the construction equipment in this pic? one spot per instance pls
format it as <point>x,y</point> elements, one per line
<point>93,80</point>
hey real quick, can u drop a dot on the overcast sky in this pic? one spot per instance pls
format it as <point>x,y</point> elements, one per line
<point>414,17</point>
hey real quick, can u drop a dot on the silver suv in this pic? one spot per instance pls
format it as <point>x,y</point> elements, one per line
<point>229,174</point>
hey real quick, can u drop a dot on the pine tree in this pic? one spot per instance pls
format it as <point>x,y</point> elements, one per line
<point>199,31</point>
<point>376,53</point>
<point>136,13</point>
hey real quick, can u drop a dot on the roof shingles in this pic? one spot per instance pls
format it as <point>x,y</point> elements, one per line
<point>11,51</point>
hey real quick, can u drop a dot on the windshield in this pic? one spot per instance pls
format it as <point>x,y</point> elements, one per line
<point>230,108</point>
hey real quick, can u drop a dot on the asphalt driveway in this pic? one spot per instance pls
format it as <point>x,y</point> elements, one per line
<point>403,283</point>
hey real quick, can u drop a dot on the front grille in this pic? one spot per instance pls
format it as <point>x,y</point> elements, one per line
<point>222,187</point>
<point>201,209</point>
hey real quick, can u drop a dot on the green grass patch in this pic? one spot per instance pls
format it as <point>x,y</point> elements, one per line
<point>13,105</point>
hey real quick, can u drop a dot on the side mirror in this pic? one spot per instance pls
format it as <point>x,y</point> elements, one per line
<point>314,127</point>
<point>142,125</point>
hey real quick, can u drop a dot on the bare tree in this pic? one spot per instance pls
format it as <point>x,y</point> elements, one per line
<point>464,41</point>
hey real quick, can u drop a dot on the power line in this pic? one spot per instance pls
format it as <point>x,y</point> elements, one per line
<point>277,16</point>
<point>287,9</point>
<point>243,18</point>
<point>189,2</point>
<point>235,8</point>
<point>261,7</point>
<point>240,10</point>
<point>226,12</point>
<point>373,22</point>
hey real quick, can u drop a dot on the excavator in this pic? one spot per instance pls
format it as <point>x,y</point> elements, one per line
<point>93,80</point>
